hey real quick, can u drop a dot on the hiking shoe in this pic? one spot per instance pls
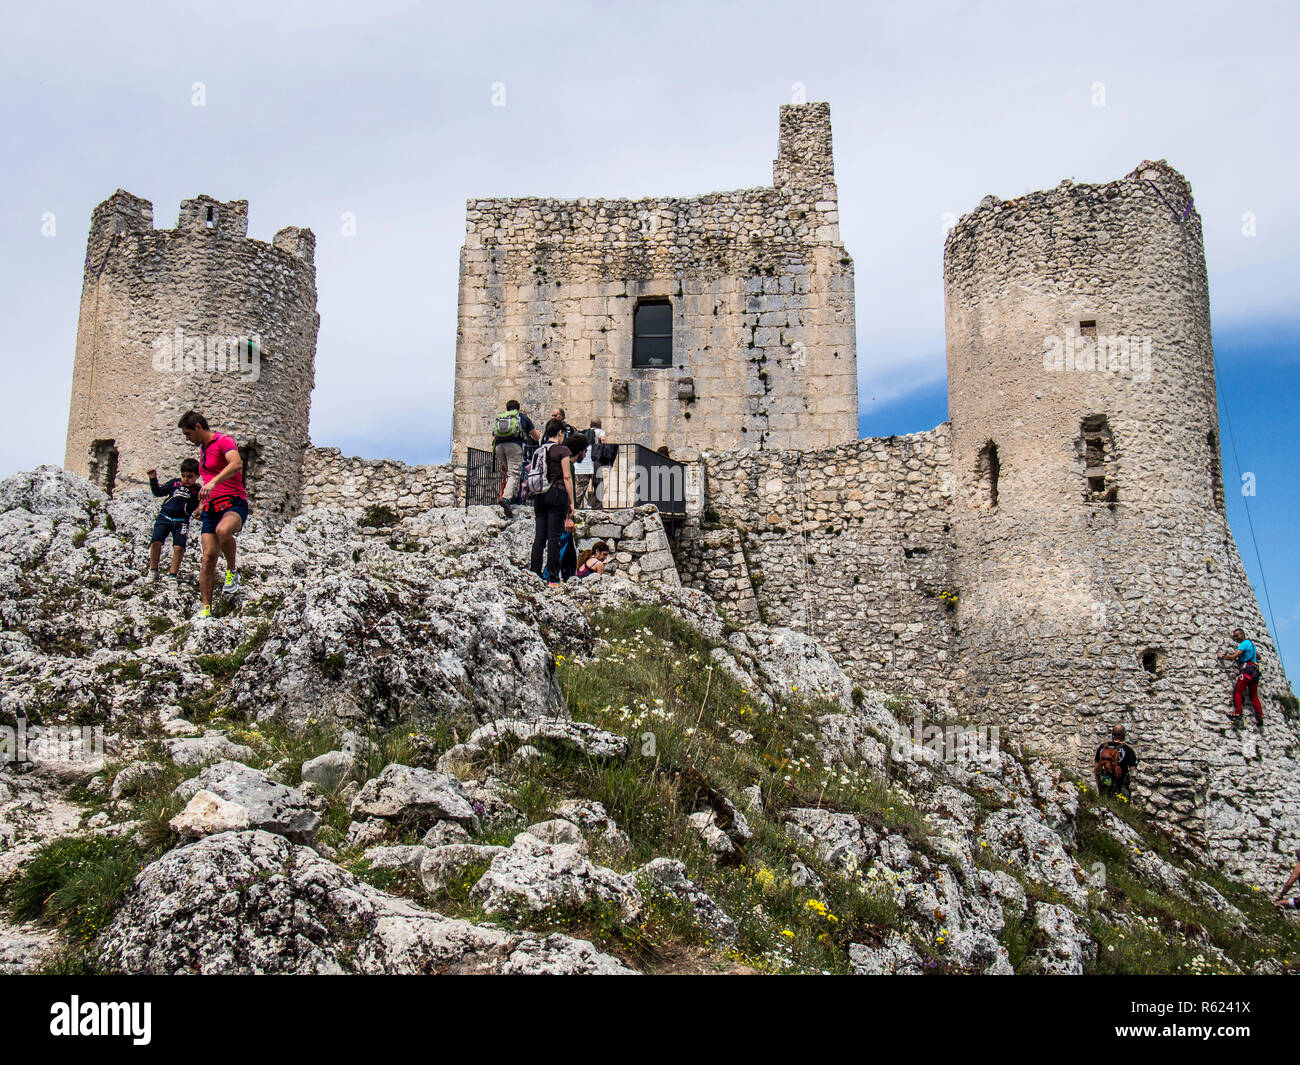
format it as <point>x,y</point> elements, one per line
<point>152,577</point>
<point>232,582</point>
<point>505,508</point>
<point>204,612</point>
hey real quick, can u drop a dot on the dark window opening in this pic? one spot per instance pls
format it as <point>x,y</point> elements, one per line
<point>652,333</point>
<point>103,465</point>
<point>1097,449</point>
<point>1153,661</point>
<point>250,455</point>
<point>212,218</point>
<point>1216,469</point>
<point>1088,329</point>
<point>988,469</point>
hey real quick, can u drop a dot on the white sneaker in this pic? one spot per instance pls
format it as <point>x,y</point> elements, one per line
<point>232,583</point>
<point>152,577</point>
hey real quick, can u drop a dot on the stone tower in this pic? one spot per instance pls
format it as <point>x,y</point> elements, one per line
<point>1097,574</point>
<point>197,317</point>
<point>724,320</point>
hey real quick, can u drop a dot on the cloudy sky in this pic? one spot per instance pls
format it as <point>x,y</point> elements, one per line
<point>386,111</point>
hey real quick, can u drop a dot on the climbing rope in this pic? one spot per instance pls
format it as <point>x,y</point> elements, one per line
<point>803,553</point>
<point>1250,523</point>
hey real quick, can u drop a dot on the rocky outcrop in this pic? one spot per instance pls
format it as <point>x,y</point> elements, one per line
<point>252,902</point>
<point>265,804</point>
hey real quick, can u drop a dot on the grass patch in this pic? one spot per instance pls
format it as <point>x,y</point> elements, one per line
<point>654,681</point>
<point>223,667</point>
<point>75,883</point>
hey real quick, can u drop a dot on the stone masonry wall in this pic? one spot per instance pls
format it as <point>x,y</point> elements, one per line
<point>162,314</point>
<point>331,479</point>
<point>762,302</point>
<point>638,543</point>
<point>848,543</point>
<point>713,560</point>
<point>1097,573</point>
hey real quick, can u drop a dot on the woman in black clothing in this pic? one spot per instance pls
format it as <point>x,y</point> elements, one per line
<point>554,507</point>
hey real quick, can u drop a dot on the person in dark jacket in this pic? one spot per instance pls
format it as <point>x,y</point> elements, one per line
<point>553,508</point>
<point>182,495</point>
<point>1112,765</point>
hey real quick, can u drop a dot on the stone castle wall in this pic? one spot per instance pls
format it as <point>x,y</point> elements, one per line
<point>1097,571</point>
<point>761,289</point>
<point>162,316</point>
<point>848,543</point>
<point>332,479</point>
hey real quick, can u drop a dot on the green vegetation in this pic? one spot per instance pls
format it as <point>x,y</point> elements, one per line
<point>1143,927</point>
<point>223,667</point>
<point>378,516</point>
<point>75,883</point>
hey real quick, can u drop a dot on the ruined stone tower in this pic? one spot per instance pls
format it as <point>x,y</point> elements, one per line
<point>725,320</point>
<point>1098,576</point>
<point>197,317</point>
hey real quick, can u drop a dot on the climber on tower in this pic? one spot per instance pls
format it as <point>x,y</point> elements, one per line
<point>1248,679</point>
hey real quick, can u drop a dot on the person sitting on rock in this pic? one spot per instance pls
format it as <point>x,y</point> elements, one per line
<point>182,495</point>
<point>591,563</point>
<point>1112,763</point>
<point>1248,679</point>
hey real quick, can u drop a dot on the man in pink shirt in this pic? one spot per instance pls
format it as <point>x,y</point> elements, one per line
<point>223,503</point>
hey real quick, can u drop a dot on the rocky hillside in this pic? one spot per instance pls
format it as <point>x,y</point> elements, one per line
<point>396,752</point>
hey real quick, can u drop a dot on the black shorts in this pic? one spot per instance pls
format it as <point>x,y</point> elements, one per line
<point>219,508</point>
<point>164,527</point>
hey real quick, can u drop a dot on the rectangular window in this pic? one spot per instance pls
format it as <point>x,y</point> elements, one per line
<point>652,333</point>
<point>1097,447</point>
<point>1088,329</point>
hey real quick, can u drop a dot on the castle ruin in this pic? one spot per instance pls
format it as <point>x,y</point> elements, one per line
<point>1054,558</point>
<point>720,321</point>
<point>197,317</point>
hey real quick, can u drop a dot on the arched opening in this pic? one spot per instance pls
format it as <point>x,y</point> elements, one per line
<point>988,468</point>
<point>102,470</point>
<point>1216,469</point>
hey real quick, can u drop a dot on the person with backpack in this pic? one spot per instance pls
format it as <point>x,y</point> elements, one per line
<point>599,456</point>
<point>510,429</point>
<point>1247,657</point>
<point>550,484</point>
<point>559,416</point>
<point>1112,765</point>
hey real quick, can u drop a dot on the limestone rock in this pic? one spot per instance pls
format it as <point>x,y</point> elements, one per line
<point>268,805</point>
<point>207,814</point>
<point>414,797</point>
<point>532,876</point>
<point>667,876</point>
<point>252,902</point>
<point>329,770</point>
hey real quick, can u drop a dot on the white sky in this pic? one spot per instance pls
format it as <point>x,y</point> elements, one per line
<point>314,109</point>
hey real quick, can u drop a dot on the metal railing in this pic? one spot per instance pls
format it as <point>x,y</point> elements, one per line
<point>636,477</point>
<point>482,478</point>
